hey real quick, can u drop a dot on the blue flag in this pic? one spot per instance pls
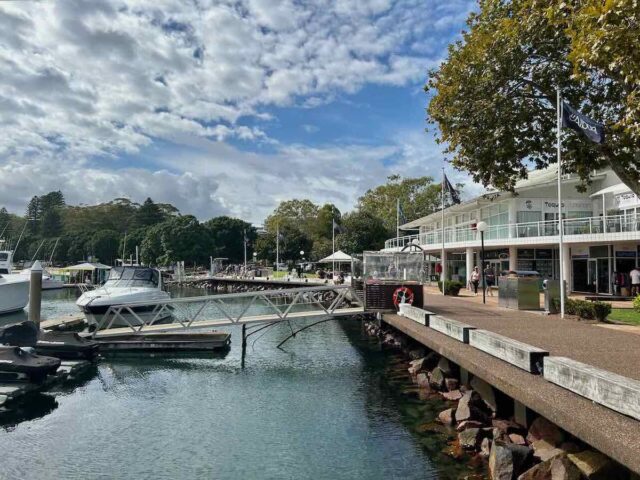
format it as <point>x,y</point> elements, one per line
<point>401,215</point>
<point>573,119</point>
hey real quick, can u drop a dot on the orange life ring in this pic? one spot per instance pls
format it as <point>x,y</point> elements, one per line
<point>402,295</point>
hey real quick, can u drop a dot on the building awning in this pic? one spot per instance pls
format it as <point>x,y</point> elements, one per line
<point>614,189</point>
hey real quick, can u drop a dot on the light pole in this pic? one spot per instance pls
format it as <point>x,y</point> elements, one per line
<point>481,227</point>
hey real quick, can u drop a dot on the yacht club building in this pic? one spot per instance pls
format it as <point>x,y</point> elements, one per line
<point>601,227</point>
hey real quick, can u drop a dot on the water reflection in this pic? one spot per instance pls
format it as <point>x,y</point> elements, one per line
<point>31,407</point>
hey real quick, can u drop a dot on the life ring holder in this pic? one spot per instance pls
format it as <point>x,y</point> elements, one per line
<point>403,295</point>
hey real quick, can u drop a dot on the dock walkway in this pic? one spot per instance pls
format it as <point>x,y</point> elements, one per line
<point>609,349</point>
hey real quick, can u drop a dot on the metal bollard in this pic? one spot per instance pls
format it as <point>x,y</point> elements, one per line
<point>35,293</point>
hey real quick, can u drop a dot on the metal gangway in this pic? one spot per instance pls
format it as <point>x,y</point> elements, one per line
<point>211,311</point>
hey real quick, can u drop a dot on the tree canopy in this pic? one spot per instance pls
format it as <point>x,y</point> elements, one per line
<point>494,96</point>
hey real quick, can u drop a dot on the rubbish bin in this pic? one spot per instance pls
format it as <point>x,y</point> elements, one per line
<point>519,290</point>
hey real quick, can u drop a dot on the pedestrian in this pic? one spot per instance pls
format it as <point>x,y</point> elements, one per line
<point>635,281</point>
<point>475,280</point>
<point>489,278</point>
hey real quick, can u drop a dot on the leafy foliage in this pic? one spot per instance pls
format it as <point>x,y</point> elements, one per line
<point>636,304</point>
<point>494,99</point>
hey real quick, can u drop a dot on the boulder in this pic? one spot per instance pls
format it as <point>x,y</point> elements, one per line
<point>447,417</point>
<point>469,438</point>
<point>454,396</point>
<point>422,380</point>
<point>416,366</point>
<point>485,447</point>
<point>472,407</point>
<point>593,465</point>
<point>507,426</point>
<point>437,378</point>
<point>517,439</point>
<point>451,384</point>
<point>543,450</point>
<point>468,424</point>
<point>445,366</point>
<point>556,468</point>
<point>507,460</point>
<point>485,391</point>
<point>543,429</point>
<point>570,447</point>
<point>431,361</point>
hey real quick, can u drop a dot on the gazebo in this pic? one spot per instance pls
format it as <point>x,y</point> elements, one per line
<point>339,257</point>
<point>96,272</point>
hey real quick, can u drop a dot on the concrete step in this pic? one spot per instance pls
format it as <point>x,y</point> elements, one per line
<point>452,328</point>
<point>416,314</point>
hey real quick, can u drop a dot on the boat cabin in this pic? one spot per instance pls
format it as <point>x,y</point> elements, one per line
<point>133,277</point>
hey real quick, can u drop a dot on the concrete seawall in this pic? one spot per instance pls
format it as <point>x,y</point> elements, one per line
<point>612,433</point>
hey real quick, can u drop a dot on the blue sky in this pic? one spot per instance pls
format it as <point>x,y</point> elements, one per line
<point>220,107</point>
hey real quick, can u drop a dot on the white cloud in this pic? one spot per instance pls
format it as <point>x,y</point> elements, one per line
<point>85,84</point>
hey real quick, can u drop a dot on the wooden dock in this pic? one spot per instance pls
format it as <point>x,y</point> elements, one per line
<point>68,322</point>
<point>68,371</point>
<point>165,342</point>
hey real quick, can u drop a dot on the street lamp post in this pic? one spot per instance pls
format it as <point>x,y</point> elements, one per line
<point>482,226</point>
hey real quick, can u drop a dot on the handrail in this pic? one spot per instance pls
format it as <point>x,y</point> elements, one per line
<point>543,228</point>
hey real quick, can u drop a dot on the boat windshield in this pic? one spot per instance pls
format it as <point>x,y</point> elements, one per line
<point>4,256</point>
<point>132,277</point>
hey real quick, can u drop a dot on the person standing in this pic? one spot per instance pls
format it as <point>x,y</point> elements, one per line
<point>475,280</point>
<point>635,281</point>
<point>489,278</point>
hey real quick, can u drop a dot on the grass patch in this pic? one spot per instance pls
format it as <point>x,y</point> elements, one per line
<point>625,315</point>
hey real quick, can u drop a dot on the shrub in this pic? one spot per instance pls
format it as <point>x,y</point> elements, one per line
<point>586,310</point>
<point>636,304</point>
<point>451,287</point>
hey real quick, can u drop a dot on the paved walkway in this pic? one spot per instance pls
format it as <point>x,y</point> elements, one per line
<point>611,349</point>
<point>493,299</point>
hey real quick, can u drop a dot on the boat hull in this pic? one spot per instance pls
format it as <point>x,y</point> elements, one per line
<point>14,293</point>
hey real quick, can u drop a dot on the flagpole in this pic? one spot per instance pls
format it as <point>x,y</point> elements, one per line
<point>333,239</point>
<point>277,246</point>
<point>442,261</point>
<point>560,222</point>
<point>397,219</point>
<point>244,239</point>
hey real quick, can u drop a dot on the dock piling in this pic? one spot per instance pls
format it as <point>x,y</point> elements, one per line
<point>35,293</point>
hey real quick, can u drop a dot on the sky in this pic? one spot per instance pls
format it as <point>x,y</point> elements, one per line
<point>218,107</point>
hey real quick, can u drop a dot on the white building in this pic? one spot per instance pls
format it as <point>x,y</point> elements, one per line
<point>601,227</point>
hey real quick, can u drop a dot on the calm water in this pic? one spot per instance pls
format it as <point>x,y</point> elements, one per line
<point>331,406</point>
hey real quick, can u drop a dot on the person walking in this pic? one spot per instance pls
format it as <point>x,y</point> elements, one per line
<point>489,278</point>
<point>635,281</point>
<point>475,280</point>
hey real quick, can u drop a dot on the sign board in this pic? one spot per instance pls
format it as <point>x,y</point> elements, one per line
<point>626,200</point>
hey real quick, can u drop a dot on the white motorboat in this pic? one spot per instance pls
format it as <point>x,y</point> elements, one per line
<point>126,285</point>
<point>14,293</point>
<point>48,282</point>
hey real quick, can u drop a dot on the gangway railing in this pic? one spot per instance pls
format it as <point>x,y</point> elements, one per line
<point>191,313</point>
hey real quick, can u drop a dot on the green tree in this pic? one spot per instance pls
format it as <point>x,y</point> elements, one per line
<point>149,214</point>
<point>184,238</point>
<point>104,246</point>
<point>323,224</point>
<point>494,99</point>
<point>227,236</point>
<point>133,239</point>
<point>362,231</point>
<point>418,197</point>
<point>151,248</point>
<point>51,223</point>
<point>302,213</point>
<point>292,242</point>
<point>33,213</point>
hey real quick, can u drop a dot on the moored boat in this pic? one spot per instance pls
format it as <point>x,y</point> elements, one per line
<point>126,285</point>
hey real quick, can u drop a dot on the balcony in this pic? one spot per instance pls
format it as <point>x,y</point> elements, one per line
<point>618,227</point>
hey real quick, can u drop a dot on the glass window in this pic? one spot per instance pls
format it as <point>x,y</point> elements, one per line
<point>529,216</point>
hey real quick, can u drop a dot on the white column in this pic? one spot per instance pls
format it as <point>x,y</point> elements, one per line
<point>513,258</point>
<point>566,266</point>
<point>444,265</point>
<point>469,263</point>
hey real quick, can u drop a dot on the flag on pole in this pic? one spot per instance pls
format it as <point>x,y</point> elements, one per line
<point>575,120</point>
<point>401,215</point>
<point>453,193</point>
<point>337,228</point>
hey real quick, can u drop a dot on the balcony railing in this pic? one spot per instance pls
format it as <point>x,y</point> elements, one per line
<point>572,226</point>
